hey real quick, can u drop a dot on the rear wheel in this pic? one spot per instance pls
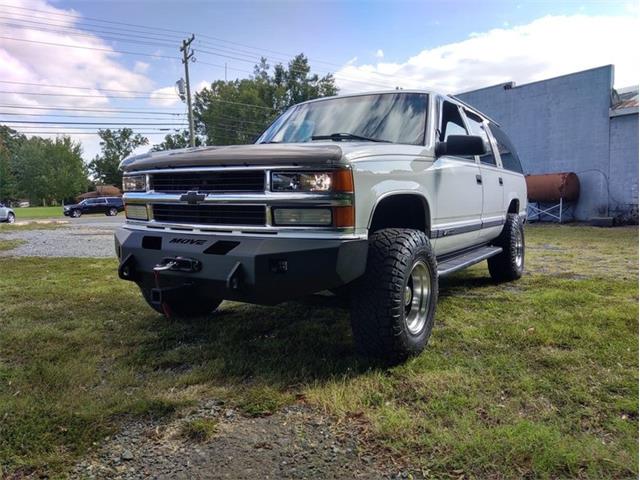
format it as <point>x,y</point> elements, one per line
<point>112,212</point>
<point>11,218</point>
<point>190,305</point>
<point>394,303</point>
<point>509,265</point>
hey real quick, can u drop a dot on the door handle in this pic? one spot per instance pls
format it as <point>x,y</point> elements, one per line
<point>500,181</point>
<point>479,179</point>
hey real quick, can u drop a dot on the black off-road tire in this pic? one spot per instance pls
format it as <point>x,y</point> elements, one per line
<point>509,264</point>
<point>189,306</point>
<point>378,308</point>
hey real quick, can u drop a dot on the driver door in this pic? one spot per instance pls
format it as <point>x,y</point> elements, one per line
<point>458,190</point>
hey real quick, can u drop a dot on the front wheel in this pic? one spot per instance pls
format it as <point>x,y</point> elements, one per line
<point>75,213</point>
<point>394,303</point>
<point>190,305</point>
<point>509,264</point>
<point>11,218</point>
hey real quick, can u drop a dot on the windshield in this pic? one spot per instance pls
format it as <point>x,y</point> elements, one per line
<point>388,117</point>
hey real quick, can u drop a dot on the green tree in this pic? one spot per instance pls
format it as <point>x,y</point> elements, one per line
<point>116,145</point>
<point>33,170</point>
<point>10,140</point>
<point>237,111</point>
<point>176,140</point>
<point>49,171</point>
<point>69,173</point>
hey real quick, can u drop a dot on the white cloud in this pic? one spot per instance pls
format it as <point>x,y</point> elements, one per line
<point>141,67</point>
<point>547,47</point>
<point>48,65</point>
<point>60,65</point>
<point>164,97</point>
<point>379,53</point>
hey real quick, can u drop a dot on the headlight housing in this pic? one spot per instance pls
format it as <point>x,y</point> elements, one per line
<point>332,181</point>
<point>134,183</point>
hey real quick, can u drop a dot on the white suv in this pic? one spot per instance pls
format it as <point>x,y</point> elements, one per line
<point>374,195</point>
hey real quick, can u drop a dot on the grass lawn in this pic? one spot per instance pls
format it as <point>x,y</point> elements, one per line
<point>9,244</point>
<point>29,213</point>
<point>535,379</point>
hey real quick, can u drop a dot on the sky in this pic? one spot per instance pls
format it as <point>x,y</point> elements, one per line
<point>117,62</point>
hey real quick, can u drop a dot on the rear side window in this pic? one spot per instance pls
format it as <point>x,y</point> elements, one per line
<point>476,127</point>
<point>508,155</point>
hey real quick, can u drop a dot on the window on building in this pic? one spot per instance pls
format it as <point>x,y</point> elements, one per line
<point>477,127</point>
<point>508,155</point>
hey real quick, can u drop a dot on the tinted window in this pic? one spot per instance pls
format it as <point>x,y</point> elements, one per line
<point>452,123</point>
<point>392,117</point>
<point>476,127</point>
<point>508,155</point>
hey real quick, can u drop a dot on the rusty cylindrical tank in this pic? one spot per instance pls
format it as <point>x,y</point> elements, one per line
<point>551,187</point>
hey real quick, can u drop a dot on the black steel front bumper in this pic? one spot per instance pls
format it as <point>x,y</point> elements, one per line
<point>248,269</point>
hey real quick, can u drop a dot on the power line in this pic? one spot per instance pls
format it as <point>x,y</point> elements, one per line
<point>125,97</point>
<point>153,30</point>
<point>88,27</point>
<point>77,33</point>
<point>87,123</point>
<point>84,133</point>
<point>80,17</point>
<point>84,88</point>
<point>253,60</point>
<point>95,110</point>
<point>83,96</point>
<point>91,126</point>
<point>108,50</point>
<point>21,114</point>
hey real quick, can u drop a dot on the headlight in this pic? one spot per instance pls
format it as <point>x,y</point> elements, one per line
<point>136,212</point>
<point>134,183</point>
<point>334,181</point>
<point>302,216</point>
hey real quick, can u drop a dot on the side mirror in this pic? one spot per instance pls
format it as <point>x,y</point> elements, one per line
<point>461,145</point>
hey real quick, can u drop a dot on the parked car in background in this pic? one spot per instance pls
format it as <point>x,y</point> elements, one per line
<point>6,214</point>
<point>109,206</point>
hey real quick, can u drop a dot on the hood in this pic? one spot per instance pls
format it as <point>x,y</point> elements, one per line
<point>238,155</point>
<point>271,154</point>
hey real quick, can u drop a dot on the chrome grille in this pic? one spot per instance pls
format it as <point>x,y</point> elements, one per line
<point>208,182</point>
<point>254,215</point>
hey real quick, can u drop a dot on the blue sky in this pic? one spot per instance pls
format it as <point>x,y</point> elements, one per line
<point>454,46</point>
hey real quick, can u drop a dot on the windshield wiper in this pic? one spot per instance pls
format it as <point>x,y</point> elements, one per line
<point>347,136</point>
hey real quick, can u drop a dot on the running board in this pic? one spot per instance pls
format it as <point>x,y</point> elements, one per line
<point>466,259</point>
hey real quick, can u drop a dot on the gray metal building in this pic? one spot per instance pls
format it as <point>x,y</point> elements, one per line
<point>574,123</point>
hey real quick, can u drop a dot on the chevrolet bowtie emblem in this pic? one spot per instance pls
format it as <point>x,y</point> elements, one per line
<point>192,198</point>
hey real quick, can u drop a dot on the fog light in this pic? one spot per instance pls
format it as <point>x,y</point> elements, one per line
<point>136,212</point>
<point>302,216</point>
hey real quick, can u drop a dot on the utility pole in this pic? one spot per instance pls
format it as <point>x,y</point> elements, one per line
<point>187,54</point>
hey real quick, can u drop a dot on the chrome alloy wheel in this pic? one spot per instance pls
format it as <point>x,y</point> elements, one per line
<point>417,296</point>
<point>519,249</point>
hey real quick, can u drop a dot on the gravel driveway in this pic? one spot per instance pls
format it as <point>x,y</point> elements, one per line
<point>84,237</point>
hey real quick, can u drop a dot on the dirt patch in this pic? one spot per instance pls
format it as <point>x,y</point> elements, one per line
<point>293,443</point>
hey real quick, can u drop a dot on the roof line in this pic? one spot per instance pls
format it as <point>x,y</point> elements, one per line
<point>512,84</point>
